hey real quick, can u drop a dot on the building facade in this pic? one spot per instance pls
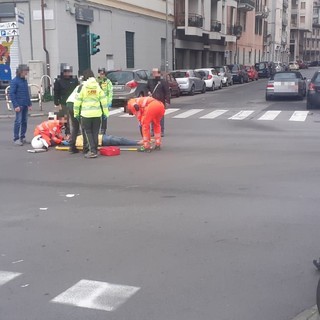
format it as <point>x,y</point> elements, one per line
<point>133,34</point>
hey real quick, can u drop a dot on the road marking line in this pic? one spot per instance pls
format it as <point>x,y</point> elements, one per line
<point>299,116</point>
<point>6,276</point>
<point>116,111</point>
<point>188,113</point>
<point>126,115</point>
<point>213,114</point>
<point>241,115</point>
<point>96,295</point>
<point>270,115</point>
<point>171,110</point>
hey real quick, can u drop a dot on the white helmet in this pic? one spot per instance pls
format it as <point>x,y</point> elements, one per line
<point>39,143</point>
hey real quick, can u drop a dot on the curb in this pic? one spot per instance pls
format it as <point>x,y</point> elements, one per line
<point>309,314</point>
<point>9,116</point>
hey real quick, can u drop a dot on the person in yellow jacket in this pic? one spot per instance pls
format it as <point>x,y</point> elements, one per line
<point>107,87</point>
<point>89,107</point>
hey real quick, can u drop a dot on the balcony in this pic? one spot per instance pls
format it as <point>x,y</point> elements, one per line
<point>246,5</point>
<point>285,4</point>
<point>262,13</point>
<point>235,30</point>
<point>294,24</point>
<point>215,25</point>
<point>194,20</point>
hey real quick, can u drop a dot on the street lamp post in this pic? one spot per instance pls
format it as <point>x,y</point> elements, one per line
<point>166,43</point>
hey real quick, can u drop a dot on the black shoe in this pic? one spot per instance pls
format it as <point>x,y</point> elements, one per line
<point>73,150</point>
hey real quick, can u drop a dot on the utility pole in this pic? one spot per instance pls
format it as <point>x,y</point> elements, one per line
<point>166,43</point>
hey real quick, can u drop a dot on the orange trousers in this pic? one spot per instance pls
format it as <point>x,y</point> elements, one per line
<point>153,113</point>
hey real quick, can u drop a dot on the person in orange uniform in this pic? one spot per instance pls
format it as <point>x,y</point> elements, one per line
<point>148,111</point>
<point>51,131</point>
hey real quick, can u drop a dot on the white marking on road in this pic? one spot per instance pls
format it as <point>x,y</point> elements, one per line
<point>116,111</point>
<point>43,209</point>
<point>126,115</point>
<point>6,276</point>
<point>241,115</point>
<point>299,116</point>
<point>270,115</point>
<point>70,195</point>
<point>96,295</point>
<point>18,261</point>
<point>188,113</point>
<point>213,114</point>
<point>171,110</point>
<point>25,285</point>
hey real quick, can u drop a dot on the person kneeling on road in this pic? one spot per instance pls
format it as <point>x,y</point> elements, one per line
<point>148,111</point>
<point>48,133</point>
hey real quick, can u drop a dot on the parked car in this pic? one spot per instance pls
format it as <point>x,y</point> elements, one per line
<point>293,65</point>
<point>314,64</point>
<point>225,73</point>
<point>265,69</point>
<point>211,78</point>
<point>286,84</point>
<point>239,73</point>
<point>189,81</point>
<point>173,85</point>
<point>128,84</point>
<point>252,73</point>
<point>313,93</point>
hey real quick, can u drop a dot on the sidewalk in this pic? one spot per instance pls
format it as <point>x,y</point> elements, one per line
<point>36,112</point>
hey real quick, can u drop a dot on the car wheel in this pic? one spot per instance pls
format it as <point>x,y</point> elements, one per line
<point>204,89</point>
<point>191,93</point>
<point>213,87</point>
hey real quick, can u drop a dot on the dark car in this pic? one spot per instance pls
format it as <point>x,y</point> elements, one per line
<point>286,84</point>
<point>128,84</point>
<point>173,85</point>
<point>313,93</point>
<point>265,69</point>
<point>239,73</point>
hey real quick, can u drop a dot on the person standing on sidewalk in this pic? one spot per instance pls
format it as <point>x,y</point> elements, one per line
<point>90,106</point>
<point>158,88</point>
<point>20,97</point>
<point>107,87</point>
<point>62,88</point>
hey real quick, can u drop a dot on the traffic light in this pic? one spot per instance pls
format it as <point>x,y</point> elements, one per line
<point>94,43</point>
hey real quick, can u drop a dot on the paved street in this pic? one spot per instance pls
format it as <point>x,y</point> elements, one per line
<point>221,224</point>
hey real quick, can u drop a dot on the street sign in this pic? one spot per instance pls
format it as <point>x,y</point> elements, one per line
<point>8,25</point>
<point>9,32</point>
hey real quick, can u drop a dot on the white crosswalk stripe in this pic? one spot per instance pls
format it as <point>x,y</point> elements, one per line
<point>96,295</point>
<point>241,115</point>
<point>214,114</point>
<point>188,113</point>
<point>178,113</point>
<point>270,115</point>
<point>6,276</point>
<point>299,116</point>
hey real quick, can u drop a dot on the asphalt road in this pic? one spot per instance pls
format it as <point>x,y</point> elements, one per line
<point>222,223</point>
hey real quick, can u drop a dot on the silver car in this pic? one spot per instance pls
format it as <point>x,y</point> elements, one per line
<point>225,74</point>
<point>190,81</point>
<point>286,84</point>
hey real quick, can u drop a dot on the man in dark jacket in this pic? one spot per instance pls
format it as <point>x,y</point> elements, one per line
<point>158,88</point>
<point>62,88</point>
<point>20,97</point>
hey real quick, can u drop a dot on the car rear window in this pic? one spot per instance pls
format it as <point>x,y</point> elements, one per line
<point>180,74</point>
<point>262,66</point>
<point>120,77</point>
<point>234,68</point>
<point>280,76</point>
<point>219,69</point>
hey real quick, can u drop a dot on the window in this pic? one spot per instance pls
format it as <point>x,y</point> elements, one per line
<point>303,5</point>
<point>130,49</point>
<point>302,19</point>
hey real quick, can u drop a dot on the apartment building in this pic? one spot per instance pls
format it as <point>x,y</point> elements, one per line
<point>133,33</point>
<point>277,37</point>
<point>301,24</point>
<point>312,41</point>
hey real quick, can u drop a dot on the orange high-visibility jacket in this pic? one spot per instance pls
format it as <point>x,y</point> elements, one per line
<point>50,131</point>
<point>142,102</point>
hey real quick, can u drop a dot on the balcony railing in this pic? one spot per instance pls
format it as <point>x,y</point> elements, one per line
<point>215,25</point>
<point>194,20</point>
<point>262,13</point>
<point>235,30</point>
<point>246,5</point>
<point>294,24</point>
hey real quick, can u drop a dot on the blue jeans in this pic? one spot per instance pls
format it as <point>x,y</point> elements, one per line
<point>108,140</point>
<point>20,124</point>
